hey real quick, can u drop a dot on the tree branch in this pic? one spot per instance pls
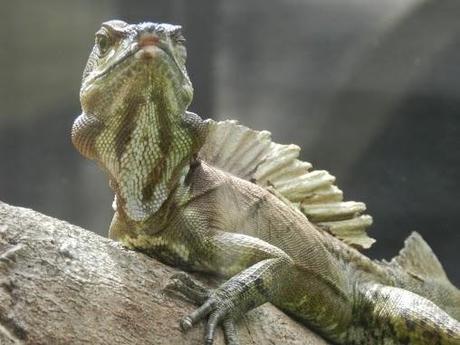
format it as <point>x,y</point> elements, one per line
<point>61,284</point>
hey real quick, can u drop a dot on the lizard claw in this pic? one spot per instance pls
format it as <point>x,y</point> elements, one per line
<point>211,307</point>
<point>217,312</point>
<point>186,324</point>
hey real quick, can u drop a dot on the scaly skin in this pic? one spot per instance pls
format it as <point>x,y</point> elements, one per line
<point>172,206</point>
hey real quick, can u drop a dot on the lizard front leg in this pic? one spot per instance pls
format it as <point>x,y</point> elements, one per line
<point>245,291</point>
<point>259,272</point>
<point>252,265</point>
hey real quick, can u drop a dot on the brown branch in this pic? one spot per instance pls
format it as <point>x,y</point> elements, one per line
<point>61,284</point>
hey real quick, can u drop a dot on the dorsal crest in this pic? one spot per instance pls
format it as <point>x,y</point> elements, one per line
<point>253,156</point>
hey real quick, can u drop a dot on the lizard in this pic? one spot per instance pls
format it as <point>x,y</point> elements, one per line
<point>220,198</point>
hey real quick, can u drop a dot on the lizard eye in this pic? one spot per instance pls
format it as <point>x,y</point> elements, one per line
<point>103,44</point>
<point>178,37</point>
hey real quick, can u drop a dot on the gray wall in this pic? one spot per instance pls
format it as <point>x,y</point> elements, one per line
<point>368,88</point>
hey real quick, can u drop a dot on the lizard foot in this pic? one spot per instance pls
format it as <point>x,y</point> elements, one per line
<point>212,307</point>
<point>216,313</point>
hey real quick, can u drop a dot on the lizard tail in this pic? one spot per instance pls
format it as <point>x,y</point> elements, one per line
<point>253,156</point>
<point>390,315</point>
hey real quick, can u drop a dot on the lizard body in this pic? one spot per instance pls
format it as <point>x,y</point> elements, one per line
<point>173,203</point>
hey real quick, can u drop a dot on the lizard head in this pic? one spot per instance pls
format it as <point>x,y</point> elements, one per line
<point>131,67</point>
<point>138,61</point>
<point>134,95</point>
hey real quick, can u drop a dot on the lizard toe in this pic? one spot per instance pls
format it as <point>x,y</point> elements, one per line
<point>230,332</point>
<point>217,312</point>
<point>188,287</point>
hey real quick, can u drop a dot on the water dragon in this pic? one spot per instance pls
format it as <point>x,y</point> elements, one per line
<point>218,197</point>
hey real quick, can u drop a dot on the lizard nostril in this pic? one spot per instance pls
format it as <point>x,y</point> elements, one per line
<point>148,39</point>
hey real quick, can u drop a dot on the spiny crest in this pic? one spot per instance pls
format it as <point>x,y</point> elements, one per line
<point>417,259</point>
<point>251,155</point>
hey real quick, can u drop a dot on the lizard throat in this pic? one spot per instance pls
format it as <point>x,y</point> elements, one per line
<point>145,145</point>
<point>152,152</point>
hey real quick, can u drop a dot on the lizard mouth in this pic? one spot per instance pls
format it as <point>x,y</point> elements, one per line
<point>147,53</point>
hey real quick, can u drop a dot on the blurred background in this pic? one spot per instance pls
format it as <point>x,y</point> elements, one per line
<point>370,89</point>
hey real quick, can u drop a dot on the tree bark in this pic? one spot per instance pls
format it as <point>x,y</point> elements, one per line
<point>61,284</point>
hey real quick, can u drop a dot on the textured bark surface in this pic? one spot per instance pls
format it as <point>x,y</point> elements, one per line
<point>61,284</point>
